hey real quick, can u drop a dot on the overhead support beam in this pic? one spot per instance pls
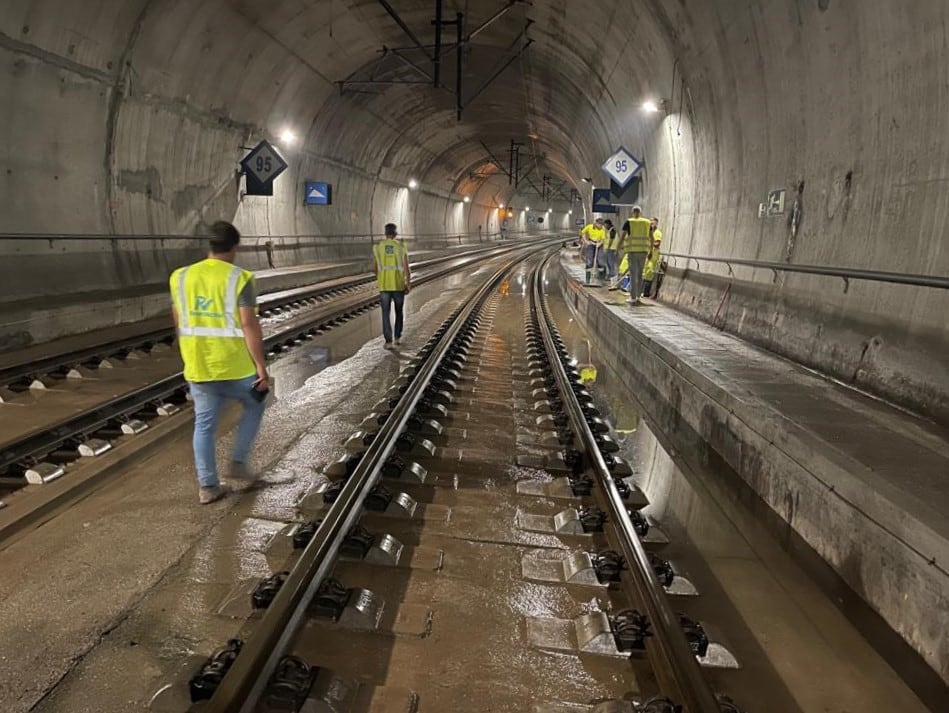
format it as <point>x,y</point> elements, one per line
<point>408,62</point>
<point>500,71</point>
<point>401,23</point>
<point>491,20</point>
<point>459,57</point>
<point>437,57</point>
<point>494,159</point>
<point>343,85</point>
<point>448,49</point>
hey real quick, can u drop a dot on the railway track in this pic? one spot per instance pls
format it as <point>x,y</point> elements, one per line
<point>46,451</point>
<point>478,546</point>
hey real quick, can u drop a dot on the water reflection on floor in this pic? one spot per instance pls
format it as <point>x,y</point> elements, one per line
<point>797,649</point>
<point>291,370</point>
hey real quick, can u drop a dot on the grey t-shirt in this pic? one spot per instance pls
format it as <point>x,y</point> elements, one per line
<point>248,296</point>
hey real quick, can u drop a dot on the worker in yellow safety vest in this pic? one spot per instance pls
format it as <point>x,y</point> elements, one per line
<point>653,259</point>
<point>592,237</point>
<point>654,231</point>
<point>611,253</point>
<point>636,247</point>
<point>390,262</point>
<point>214,305</point>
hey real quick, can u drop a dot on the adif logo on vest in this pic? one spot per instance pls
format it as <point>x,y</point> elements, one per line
<point>390,249</point>
<point>203,304</point>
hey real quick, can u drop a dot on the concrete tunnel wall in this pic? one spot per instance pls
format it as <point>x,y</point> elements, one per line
<point>129,118</point>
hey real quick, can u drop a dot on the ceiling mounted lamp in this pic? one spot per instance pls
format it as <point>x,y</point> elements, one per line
<point>467,199</point>
<point>413,184</point>
<point>287,137</point>
<point>651,106</point>
<point>587,180</point>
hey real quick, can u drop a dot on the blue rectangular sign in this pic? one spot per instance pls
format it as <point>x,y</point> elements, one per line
<point>318,193</point>
<point>603,201</point>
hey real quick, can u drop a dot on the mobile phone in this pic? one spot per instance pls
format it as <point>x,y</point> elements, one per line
<point>258,394</point>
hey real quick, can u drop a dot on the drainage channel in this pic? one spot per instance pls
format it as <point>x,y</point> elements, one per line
<point>456,556</point>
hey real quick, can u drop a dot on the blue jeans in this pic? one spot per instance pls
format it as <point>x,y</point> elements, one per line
<point>209,398</point>
<point>609,256</point>
<point>386,300</point>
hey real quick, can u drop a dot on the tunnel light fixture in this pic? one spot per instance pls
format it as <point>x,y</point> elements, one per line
<point>650,106</point>
<point>587,180</point>
<point>287,137</point>
<point>527,208</point>
<point>467,199</point>
<point>569,212</point>
<point>500,206</point>
<point>413,184</point>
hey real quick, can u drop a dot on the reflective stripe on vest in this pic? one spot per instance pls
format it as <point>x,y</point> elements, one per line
<point>390,265</point>
<point>230,309</point>
<point>210,338</point>
<point>638,239</point>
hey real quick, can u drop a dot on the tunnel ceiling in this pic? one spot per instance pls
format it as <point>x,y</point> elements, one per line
<point>557,65</point>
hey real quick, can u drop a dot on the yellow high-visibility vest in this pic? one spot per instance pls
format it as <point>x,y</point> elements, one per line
<point>210,336</point>
<point>652,263</point>
<point>390,265</point>
<point>612,239</point>
<point>638,239</point>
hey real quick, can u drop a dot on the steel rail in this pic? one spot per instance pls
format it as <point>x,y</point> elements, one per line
<point>271,300</point>
<point>677,670</point>
<point>845,273</point>
<point>36,445</point>
<point>245,681</point>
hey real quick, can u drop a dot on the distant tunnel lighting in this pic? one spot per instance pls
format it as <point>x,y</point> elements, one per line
<point>467,199</point>
<point>549,210</point>
<point>587,180</point>
<point>650,107</point>
<point>527,208</point>
<point>413,184</point>
<point>569,212</point>
<point>287,137</point>
<point>501,206</point>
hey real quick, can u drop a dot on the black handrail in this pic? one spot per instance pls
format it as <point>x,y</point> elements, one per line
<point>845,273</point>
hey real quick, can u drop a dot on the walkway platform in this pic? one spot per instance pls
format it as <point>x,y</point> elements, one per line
<point>864,484</point>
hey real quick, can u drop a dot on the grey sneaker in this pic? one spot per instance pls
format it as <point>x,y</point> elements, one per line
<point>212,494</point>
<point>398,341</point>
<point>387,345</point>
<point>241,471</point>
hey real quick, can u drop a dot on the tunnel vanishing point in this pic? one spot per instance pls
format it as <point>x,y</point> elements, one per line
<point>771,133</point>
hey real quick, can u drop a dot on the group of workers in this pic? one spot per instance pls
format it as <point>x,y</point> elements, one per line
<point>633,252</point>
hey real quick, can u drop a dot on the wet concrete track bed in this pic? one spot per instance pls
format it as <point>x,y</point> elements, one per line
<point>459,545</point>
<point>476,570</point>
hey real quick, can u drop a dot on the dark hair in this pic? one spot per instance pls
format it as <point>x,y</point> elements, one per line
<point>391,229</point>
<point>224,237</point>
